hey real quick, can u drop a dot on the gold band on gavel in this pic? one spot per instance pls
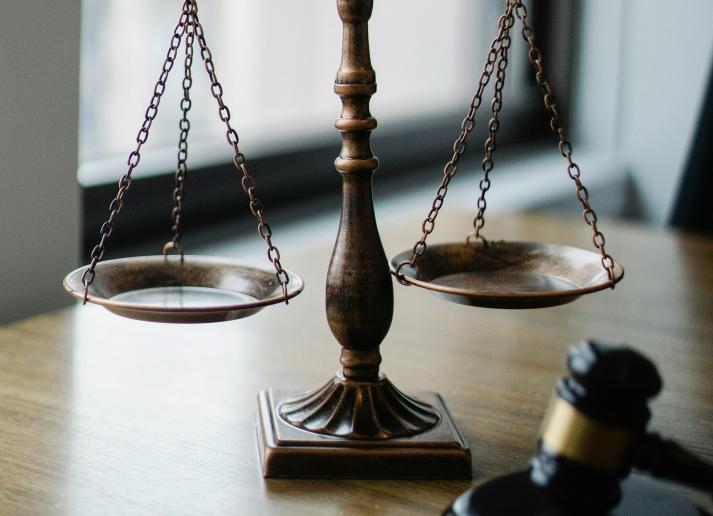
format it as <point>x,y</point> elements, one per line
<point>568,432</point>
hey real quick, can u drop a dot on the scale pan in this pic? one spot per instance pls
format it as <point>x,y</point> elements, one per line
<point>199,290</point>
<point>507,274</point>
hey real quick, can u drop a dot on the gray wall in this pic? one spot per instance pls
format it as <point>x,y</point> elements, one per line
<point>668,48</point>
<point>39,195</point>
<point>641,77</point>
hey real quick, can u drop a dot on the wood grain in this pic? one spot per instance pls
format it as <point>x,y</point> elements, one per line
<point>104,415</point>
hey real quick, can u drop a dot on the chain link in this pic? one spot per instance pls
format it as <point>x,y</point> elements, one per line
<point>565,147</point>
<point>184,125</point>
<point>493,125</point>
<point>190,26</point>
<point>132,162</point>
<point>247,182</point>
<point>460,144</point>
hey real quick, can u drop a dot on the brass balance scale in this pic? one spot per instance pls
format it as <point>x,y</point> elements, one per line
<point>358,424</point>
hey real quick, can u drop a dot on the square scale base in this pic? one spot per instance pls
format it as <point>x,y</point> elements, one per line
<point>290,452</point>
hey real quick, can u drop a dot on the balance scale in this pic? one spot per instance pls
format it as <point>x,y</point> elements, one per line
<point>358,424</point>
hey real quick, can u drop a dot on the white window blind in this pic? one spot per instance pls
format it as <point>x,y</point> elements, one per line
<point>277,61</point>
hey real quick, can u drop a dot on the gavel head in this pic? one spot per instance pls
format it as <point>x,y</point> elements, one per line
<point>591,430</point>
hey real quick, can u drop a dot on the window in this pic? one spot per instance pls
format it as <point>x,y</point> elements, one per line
<point>277,62</point>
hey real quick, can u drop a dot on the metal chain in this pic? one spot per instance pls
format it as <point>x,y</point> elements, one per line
<point>182,168</point>
<point>132,162</point>
<point>459,146</point>
<point>565,147</point>
<point>247,182</point>
<point>493,126</point>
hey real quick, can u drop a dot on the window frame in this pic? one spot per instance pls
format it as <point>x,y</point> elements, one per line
<point>411,154</point>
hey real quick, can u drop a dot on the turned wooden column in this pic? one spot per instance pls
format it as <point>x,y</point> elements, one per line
<point>358,424</point>
<point>359,402</point>
<point>360,296</point>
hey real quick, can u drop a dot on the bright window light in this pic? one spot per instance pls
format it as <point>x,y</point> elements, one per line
<point>276,61</point>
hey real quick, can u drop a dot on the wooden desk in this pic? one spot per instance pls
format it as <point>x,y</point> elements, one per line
<point>103,415</point>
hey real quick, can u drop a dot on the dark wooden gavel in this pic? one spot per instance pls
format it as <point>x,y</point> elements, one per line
<point>593,435</point>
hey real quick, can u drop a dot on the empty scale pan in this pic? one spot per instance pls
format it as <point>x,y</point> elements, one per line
<point>505,274</point>
<point>196,290</point>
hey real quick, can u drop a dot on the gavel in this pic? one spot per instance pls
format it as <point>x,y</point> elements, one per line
<point>593,435</point>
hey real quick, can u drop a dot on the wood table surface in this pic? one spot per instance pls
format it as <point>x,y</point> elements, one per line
<point>105,415</point>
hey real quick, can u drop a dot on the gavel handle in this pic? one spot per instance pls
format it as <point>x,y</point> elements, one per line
<point>666,459</point>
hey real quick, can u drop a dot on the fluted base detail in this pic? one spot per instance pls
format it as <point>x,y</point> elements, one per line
<point>359,410</point>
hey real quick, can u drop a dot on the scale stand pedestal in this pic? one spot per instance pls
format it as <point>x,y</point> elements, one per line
<point>358,424</point>
<point>290,452</point>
